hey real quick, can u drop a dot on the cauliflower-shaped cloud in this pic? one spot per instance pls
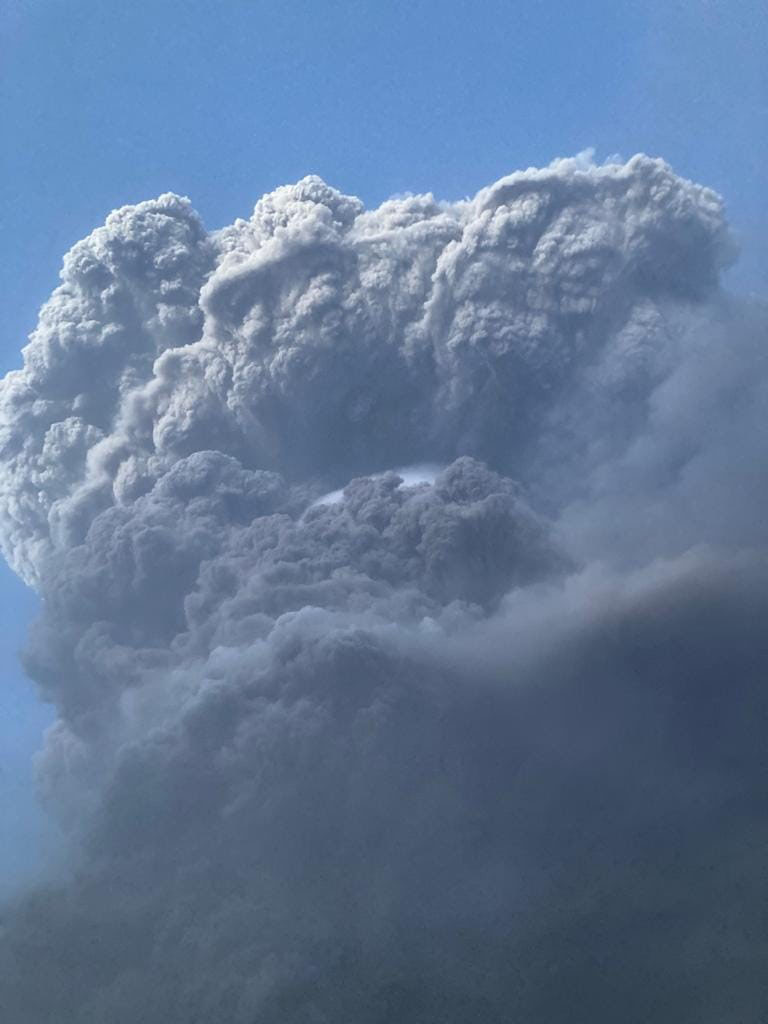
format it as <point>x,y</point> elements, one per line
<point>483,742</point>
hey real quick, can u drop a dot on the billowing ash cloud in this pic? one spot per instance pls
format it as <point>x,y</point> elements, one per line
<point>482,742</point>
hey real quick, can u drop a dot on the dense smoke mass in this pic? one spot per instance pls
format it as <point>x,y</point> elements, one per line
<point>340,741</point>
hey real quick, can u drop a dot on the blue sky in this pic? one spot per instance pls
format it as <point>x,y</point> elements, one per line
<point>105,103</point>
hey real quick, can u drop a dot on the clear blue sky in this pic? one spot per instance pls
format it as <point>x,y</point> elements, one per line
<point>105,102</point>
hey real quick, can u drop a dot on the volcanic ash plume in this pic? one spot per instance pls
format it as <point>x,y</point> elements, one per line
<point>342,741</point>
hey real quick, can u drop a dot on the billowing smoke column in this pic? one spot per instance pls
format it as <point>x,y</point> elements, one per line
<point>486,747</point>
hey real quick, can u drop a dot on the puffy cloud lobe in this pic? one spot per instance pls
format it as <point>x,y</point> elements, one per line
<point>214,555</point>
<point>128,292</point>
<point>418,751</point>
<point>430,330</point>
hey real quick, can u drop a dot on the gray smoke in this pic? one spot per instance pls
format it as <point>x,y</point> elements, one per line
<point>479,743</point>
